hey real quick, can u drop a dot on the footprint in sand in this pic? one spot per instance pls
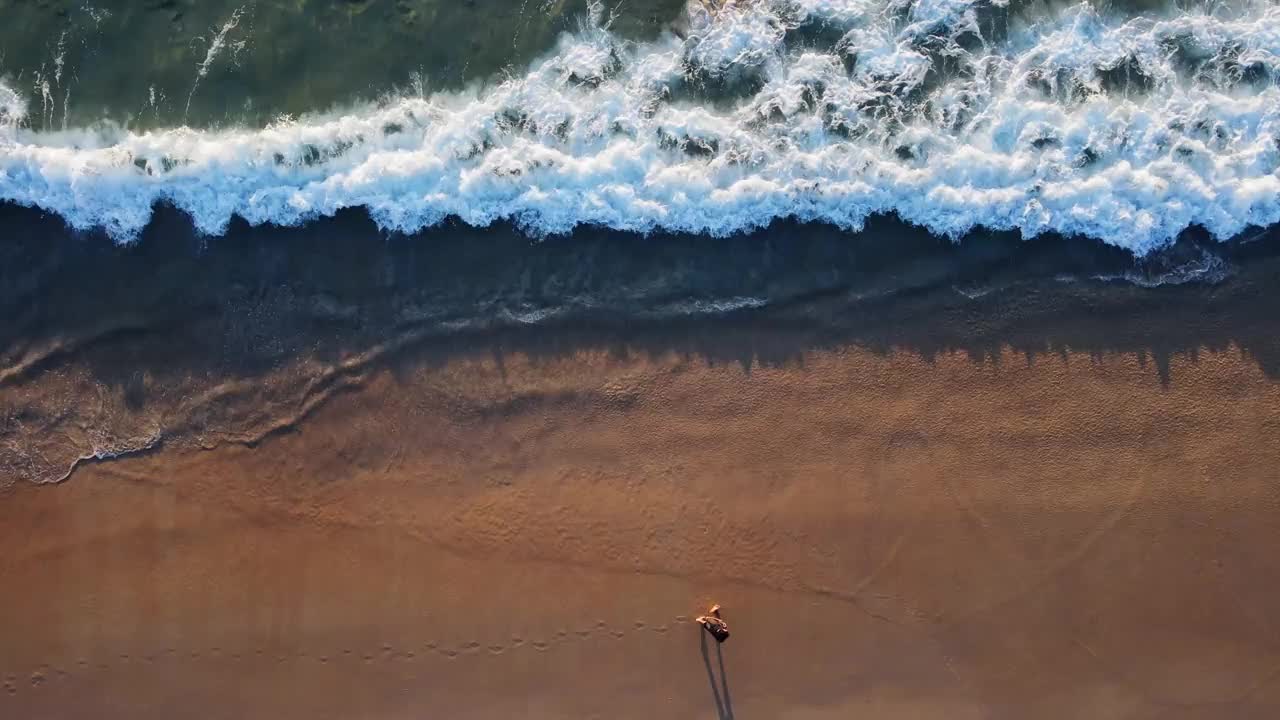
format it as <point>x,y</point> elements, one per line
<point>470,648</point>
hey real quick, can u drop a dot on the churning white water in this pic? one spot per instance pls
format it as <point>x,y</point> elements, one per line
<point>953,114</point>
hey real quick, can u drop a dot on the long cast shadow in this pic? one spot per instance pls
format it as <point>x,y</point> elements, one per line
<point>724,683</point>
<point>720,688</point>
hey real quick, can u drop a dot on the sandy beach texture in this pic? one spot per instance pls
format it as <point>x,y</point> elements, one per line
<point>1026,536</point>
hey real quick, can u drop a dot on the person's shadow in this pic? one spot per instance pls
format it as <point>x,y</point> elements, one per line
<point>720,690</point>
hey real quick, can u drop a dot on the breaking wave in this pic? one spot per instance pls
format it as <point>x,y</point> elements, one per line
<point>1127,127</point>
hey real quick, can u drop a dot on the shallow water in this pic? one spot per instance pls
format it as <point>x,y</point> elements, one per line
<point>184,341</point>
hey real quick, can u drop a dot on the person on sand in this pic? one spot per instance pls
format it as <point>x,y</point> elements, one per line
<point>712,623</point>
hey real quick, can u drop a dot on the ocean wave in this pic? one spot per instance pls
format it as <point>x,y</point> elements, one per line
<point>951,114</point>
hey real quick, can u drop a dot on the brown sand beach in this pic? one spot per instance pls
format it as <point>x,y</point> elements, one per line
<point>502,532</point>
<point>891,537</point>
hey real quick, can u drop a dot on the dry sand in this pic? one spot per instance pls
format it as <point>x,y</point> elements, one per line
<point>1065,537</point>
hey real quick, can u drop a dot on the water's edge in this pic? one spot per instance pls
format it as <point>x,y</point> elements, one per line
<point>188,340</point>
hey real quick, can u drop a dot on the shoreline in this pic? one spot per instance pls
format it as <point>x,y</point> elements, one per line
<point>191,342</point>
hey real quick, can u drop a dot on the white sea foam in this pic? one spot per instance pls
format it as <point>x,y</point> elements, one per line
<point>216,46</point>
<point>951,113</point>
<point>13,110</point>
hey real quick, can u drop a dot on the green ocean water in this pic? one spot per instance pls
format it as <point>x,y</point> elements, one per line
<point>214,63</point>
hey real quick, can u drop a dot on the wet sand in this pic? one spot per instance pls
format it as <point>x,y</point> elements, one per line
<point>500,536</point>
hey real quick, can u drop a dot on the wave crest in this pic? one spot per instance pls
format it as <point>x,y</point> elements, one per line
<point>951,114</point>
